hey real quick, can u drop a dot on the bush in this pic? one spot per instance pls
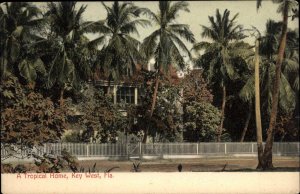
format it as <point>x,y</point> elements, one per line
<point>201,121</point>
<point>20,168</point>
<point>8,168</point>
<point>73,137</point>
<point>28,110</point>
<point>49,163</point>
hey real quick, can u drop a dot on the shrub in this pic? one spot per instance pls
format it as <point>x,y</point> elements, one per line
<point>201,121</point>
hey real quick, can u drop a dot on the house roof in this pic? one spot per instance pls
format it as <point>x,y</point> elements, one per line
<point>137,78</point>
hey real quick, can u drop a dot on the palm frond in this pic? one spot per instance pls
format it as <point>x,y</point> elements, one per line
<point>175,8</point>
<point>96,42</point>
<point>183,31</point>
<point>291,65</point>
<point>240,49</point>
<point>258,4</point>
<point>286,95</point>
<point>150,14</point>
<point>131,27</point>
<point>209,33</point>
<point>296,83</point>
<point>181,45</point>
<point>201,46</point>
<point>94,27</point>
<point>247,92</point>
<point>149,44</point>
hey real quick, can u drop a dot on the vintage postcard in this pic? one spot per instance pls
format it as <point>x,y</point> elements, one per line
<point>150,97</point>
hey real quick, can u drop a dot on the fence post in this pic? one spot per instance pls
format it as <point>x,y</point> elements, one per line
<point>87,150</point>
<point>140,146</point>
<point>225,148</point>
<point>252,150</point>
<point>197,148</point>
<point>127,151</point>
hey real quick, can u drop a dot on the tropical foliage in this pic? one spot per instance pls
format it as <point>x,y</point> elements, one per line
<point>19,23</point>
<point>28,118</point>
<point>201,119</point>
<point>68,57</point>
<point>119,54</point>
<point>48,66</point>
<point>165,44</point>
<point>100,118</point>
<point>268,45</point>
<point>222,53</point>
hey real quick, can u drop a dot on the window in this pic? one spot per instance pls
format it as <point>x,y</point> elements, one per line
<point>125,94</point>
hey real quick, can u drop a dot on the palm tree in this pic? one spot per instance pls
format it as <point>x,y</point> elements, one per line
<point>69,48</point>
<point>165,44</point>
<point>219,55</point>
<point>119,53</point>
<point>285,7</point>
<point>19,23</point>
<point>267,51</point>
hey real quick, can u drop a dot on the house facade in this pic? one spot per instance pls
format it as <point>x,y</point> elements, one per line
<point>129,90</point>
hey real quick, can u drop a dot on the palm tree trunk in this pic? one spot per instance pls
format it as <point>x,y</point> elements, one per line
<point>267,156</point>
<point>247,122</point>
<point>222,115</point>
<point>257,107</point>
<point>152,106</point>
<point>154,96</point>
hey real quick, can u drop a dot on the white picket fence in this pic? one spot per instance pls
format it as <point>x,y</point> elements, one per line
<point>159,149</point>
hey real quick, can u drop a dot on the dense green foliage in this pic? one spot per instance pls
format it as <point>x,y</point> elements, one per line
<point>201,120</point>
<point>27,118</point>
<point>101,116</point>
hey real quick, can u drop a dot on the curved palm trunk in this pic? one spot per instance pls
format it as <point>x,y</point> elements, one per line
<point>257,107</point>
<point>247,122</point>
<point>152,107</point>
<point>267,156</point>
<point>220,129</point>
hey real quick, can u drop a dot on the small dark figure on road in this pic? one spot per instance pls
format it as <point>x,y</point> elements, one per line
<point>179,167</point>
<point>136,167</point>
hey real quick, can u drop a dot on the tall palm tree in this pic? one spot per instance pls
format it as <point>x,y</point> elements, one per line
<point>219,54</point>
<point>165,44</point>
<point>119,53</point>
<point>68,46</point>
<point>19,23</point>
<point>285,7</point>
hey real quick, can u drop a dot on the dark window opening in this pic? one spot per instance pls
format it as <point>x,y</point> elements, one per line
<point>125,94</point>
